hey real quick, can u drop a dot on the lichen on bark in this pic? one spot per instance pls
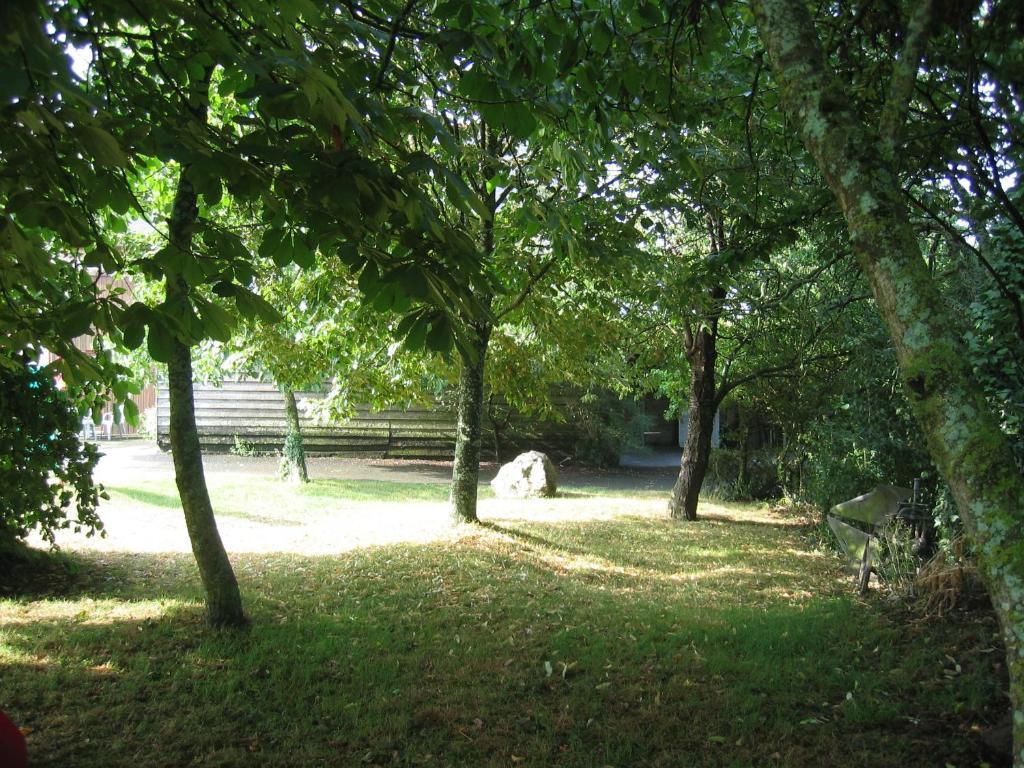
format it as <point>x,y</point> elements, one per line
<point>293,453</point>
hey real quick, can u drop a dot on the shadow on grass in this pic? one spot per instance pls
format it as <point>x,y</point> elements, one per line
<point>661,547</point>
<point>475,651</point>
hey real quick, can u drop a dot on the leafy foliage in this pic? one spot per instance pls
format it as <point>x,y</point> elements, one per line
<point>45,470</point>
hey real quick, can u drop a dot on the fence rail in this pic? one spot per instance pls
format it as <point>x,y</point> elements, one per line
<point>251,414</point>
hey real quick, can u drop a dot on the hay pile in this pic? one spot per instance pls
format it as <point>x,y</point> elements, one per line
<point>947,582</point>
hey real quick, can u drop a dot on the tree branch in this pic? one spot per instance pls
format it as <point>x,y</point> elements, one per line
<point>904,76</point>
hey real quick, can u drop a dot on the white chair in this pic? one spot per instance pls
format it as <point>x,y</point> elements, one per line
<point>107,424</point>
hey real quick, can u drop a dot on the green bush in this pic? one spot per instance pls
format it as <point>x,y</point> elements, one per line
<point>857,448</point>
<point>243,447</point>
<point>592,430</point>
<point>45,469</point>
<point>728,480</point>
<point>603,427</point>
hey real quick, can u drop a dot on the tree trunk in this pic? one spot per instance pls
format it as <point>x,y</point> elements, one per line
<point>699,428</point>
<point>223,601</point>
<point>466,469</point>
<point>293,455</point>
<point>963,433</point>
<point>743,477</point>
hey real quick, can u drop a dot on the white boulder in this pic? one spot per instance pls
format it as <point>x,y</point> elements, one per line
<point>528,475</point>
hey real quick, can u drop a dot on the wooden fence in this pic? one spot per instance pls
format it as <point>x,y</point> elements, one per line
<point>251,415</point>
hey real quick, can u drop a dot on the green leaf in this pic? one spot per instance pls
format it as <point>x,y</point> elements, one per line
<point>217,322</point>
<point>271,244</point>
<point>14,82</point>
<point>160,342</point>
<point>384,298</point>
<point>133,324</point>
<point>251,305</point>
<point>478,86</point>
<point>103,147</point>
<point>519,120</point>
<point>369,279</point>
<point>192,271</point>
<point>417,332</point>
<point>302,254</point>
<point>77,319</point>
<point>169,259</point>
<point>131,413</point>
<point>133,335</point>
<point>439,339</point>
<point>211,189</point>
<point>458,189</point>
<point>225,289</point>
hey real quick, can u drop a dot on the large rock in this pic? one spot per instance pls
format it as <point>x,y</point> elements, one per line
<point>530,474</point>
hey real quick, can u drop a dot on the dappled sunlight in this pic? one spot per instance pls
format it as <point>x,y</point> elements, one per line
<point>10,654</point>
<point>266,516</point>
<point>761,514</point>
<point>88,611</point>
<point>571,509</point>
<point>512,637</point>
<point>325,528</point>
<point>719,581</point>
<point>262,515</point>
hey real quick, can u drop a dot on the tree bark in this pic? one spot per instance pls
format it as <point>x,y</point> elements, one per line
<point>223,600</point>
<point>702,354</point>
<point>293,455</point>
<point>466,468</point>
<point>962,431</point>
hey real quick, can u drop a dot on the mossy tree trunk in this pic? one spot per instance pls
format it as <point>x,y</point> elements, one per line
<point>223,600</point>
<point>962,431</point>
<point>293,455</point>
<point>466,468</point>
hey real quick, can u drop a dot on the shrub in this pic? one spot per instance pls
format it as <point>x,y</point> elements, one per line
<point>243,447</point>
<point>603,427</point>
<point>45,469</point>
<point>728,480</point>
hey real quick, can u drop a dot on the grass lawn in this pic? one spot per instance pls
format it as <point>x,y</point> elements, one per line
<point>585,631</point>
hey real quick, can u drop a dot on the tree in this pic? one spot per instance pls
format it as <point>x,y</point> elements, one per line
<point>223,599</point>
<point>964,436</point>
<point>159,71</point>
<point>707,330</point>
<point>530,218</point>
<point>728,198</point>
<point>60,184</point>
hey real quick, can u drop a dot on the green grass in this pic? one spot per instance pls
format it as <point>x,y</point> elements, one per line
<point>258,497</point>
<point>626,641</point>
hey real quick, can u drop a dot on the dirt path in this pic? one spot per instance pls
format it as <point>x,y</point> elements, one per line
<point>257,514</point>
<point>127,460</point>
